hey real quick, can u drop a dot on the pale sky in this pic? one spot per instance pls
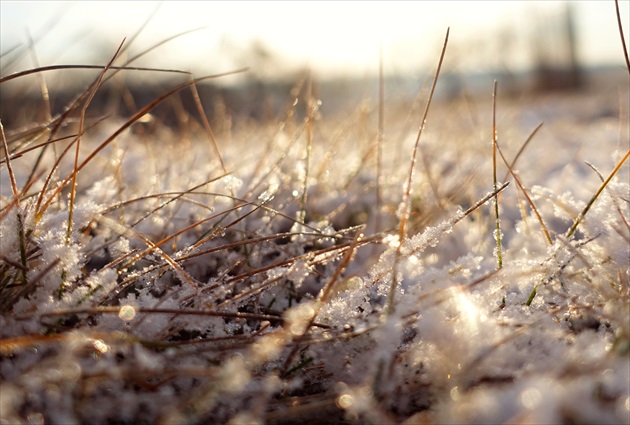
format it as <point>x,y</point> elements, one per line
<point>329,37</point>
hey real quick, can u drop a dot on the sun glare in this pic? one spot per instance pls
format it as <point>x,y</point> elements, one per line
<point>470,312</point>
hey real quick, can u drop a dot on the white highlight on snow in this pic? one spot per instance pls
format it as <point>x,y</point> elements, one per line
<point>469,310</point>
<point>232,183</point>
<point>531,397</point>
<point>344,401</point>
<point>298,318</point>
<point>127,313</point>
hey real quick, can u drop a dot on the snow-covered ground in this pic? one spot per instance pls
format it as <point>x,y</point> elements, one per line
<point>198,288</point>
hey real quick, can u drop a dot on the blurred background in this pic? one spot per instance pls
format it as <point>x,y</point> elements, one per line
<point>527,45</point>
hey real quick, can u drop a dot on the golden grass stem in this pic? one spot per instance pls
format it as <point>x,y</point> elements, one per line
<point>588,206</point>
<point>73,190</point>
<point>623,39</point>
<point>521,149</point>
<point>527,197</point>
<point>61,67</point>
<point>379,139</point>
<point>206,125</point>
<point>406,201</point>
<point>310,110</point>
<point>7,157</point>
<point>497,230</point>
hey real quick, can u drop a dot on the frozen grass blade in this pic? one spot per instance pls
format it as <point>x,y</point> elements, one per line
<point>497,229</point>
<point>406,202</point>
<point>405,205</point>
<point>311,109</point>
<point>20,215</point>
<point>379,140</point>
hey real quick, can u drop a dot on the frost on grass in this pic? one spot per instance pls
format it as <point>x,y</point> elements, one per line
<point>187,295</point>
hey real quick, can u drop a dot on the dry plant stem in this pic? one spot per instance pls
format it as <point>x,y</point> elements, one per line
<point>206,125</point>
<point>521,149</point>
<point>310,105</point>
<point>135,35</point>
<point>307,256</point>
<point>497,230</point>
<point>527,197</point>
<point>124,230</point>
<point>173,199</point>
<point>615,200</point>
<point>59,67</point>
<point>379,139</point>
<point>42,81</point>
<point>580,217</point>
<point>406,201</point>
<point>623,39</point>
<point>5,147</point>
<point>73,190</point>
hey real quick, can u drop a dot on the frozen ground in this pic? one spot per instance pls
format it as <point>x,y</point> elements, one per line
<point>188,291</point>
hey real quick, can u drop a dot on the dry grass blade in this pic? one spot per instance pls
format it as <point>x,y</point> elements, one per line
<point>206,125</point>
<point>22,152</point>
<point>5,148</point>
<point>524,192</point>
<point>311,110</point>
<point>406,202</point>
<point>405,206</point>
<point>73,187</point>
<point>521,150</point>
<point>379,140</point>
<point>42,81</point>
<point>615,201</point>
<point>101,67</point>
<point>623,39</point>
<point>588,206</point>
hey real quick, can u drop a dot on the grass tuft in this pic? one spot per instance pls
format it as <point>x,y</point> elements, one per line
<point>218,268</point>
